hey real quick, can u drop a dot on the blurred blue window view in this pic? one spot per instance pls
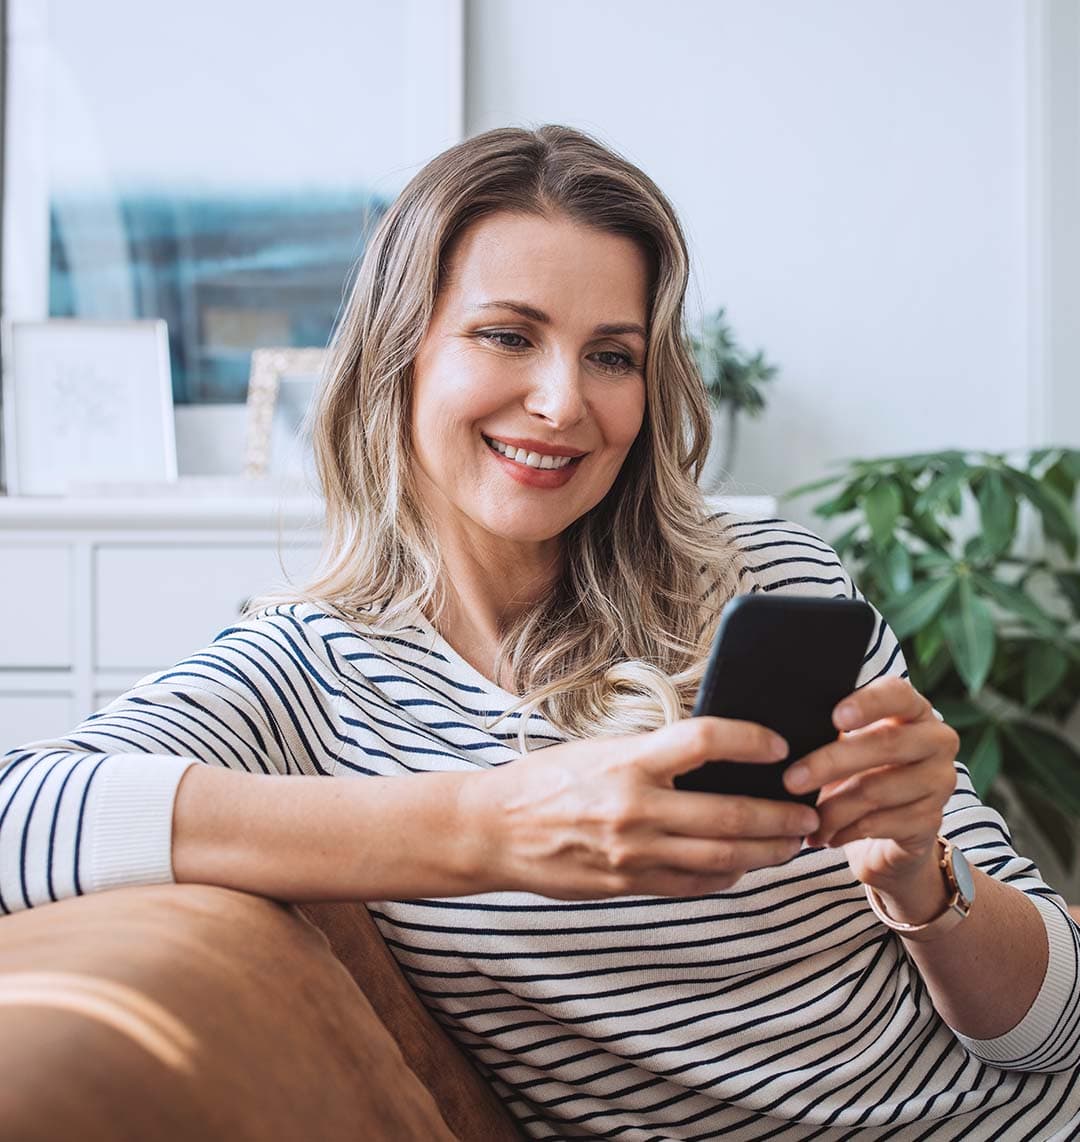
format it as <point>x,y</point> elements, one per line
<point>216,166</point>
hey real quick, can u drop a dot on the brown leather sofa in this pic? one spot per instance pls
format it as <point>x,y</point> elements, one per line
<point>186,1012</point>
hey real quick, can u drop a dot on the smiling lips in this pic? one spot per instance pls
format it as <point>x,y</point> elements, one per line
<point>536,469</point>
<point>532,459</point>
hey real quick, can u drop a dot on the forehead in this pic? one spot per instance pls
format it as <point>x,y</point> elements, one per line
<point>563,267</point>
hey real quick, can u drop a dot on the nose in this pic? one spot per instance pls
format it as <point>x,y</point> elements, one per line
<point>556,393</point>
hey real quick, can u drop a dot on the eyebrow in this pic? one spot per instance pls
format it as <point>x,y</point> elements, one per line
<point>541,318</point>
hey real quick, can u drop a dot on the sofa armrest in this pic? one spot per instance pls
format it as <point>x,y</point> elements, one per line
<point>466,1101</point>
<point>176,1012</point>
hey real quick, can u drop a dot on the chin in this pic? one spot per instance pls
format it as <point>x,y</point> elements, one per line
<point>530,525</point>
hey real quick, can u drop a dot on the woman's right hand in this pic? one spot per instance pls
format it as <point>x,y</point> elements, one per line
<point>590,819</point>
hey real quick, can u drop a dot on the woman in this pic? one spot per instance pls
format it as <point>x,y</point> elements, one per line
<point>517,554</point>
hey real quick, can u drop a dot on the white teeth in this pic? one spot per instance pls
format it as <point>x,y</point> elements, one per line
<point>530,459</point>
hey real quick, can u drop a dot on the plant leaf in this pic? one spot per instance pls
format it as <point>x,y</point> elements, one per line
<point>843,501</point>
<point>1018,603</point>
<point>928,641</point>
<point>926,679</point>
<point>933,559</point>
<point>1069,584</point>
<point>1056,512</point>
<point>843,542</point>
<point>942,488</point>
<point>928,529</point>
<point>997,510</point>
<point>1044,668</point>
<point>898,568</point>
<point>1055,826</point>
<point>969,631</point>
<point>960,713</point>
<point>912,611</point>
<point>1070,458</point>
<point>1049,761</point>
<point>813,486</point>
<point>882,505</point>
<point>1059,477</point>
<point>984,761</point>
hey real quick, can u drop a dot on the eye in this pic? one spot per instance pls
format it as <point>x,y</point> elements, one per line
<point>616,362</point>
<point>498,337</point>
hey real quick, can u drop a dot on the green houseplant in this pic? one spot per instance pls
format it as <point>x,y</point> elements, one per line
<point>734,379</point>
<point>972,559</point>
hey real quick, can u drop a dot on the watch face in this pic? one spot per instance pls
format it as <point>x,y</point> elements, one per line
<point>962,872</point>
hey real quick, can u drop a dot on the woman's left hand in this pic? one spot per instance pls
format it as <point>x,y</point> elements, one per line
<point>883,782</point>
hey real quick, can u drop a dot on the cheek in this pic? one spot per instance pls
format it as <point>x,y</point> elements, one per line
<point>624,416</point>
<point>461,387</point>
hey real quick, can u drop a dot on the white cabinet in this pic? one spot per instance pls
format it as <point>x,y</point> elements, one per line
<point>155,604</point>
<point>34,717</point>
<point>98,593</point>
<point>35,586</point>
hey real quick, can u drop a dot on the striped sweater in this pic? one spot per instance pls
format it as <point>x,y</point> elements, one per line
<point>780,1008</point>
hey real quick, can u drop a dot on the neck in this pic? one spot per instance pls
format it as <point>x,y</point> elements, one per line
<point>487,591</point>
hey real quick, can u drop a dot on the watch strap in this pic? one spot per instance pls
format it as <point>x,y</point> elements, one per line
<point>957,906</point>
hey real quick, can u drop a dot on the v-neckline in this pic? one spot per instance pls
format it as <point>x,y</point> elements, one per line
<point>461,664</point>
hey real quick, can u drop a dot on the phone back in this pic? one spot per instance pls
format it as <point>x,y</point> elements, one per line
<point>784,662</point>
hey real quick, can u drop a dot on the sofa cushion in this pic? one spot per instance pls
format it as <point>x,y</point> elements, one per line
<point>468,1104</point>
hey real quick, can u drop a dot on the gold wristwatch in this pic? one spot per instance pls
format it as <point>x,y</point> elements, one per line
<point>959,888</point>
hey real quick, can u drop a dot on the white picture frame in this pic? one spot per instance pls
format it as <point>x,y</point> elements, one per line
<point>280,390</point>
<point>86,403</point>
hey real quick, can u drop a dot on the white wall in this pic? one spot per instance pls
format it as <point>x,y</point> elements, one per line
<point>1054,129</point>
<point>853,181</point>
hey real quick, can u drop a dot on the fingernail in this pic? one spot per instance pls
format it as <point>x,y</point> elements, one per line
<point>845,716</point>
<point>779,748</point>
<point>797,777</point>
<point>808,823</point>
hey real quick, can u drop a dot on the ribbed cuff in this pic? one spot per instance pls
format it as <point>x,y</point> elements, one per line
<point>128,820</point>
<point>1030,1034</point>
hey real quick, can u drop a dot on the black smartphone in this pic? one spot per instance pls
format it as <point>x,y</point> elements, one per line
<point>783,661</point>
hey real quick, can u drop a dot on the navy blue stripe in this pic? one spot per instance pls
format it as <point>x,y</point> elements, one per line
<point>51,853</point>
<point>20,773</point>
<point>77,854</point>
<point>55,760</point>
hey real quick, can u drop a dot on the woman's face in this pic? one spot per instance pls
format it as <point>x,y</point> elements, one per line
<point>537,341</point>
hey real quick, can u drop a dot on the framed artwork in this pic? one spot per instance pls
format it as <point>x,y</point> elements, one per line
<point>280,391</point>
<point>227,187</point>
<point>86,402</point>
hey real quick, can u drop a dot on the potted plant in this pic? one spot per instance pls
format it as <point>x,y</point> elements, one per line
<point>733,379</point>
<point>972,559</point>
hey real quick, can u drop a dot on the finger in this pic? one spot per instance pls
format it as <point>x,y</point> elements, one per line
<point>689,743</point>
<point>887,743</point>
<point>684,866</point>
<point>681,884</point>
<point>907,825</point>
<point>706,815</point>
<point>882,789</point>
<point>705,858</point>
<point>890,697</point>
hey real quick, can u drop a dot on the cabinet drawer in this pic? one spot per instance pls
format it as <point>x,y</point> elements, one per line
<point>155,605</point>
<point>35,584</point>
<point>26,718</point>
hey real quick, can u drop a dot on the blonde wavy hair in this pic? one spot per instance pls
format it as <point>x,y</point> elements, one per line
<point>620,643</point>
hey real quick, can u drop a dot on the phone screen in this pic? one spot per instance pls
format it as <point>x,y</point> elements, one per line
<point>783,661</point>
